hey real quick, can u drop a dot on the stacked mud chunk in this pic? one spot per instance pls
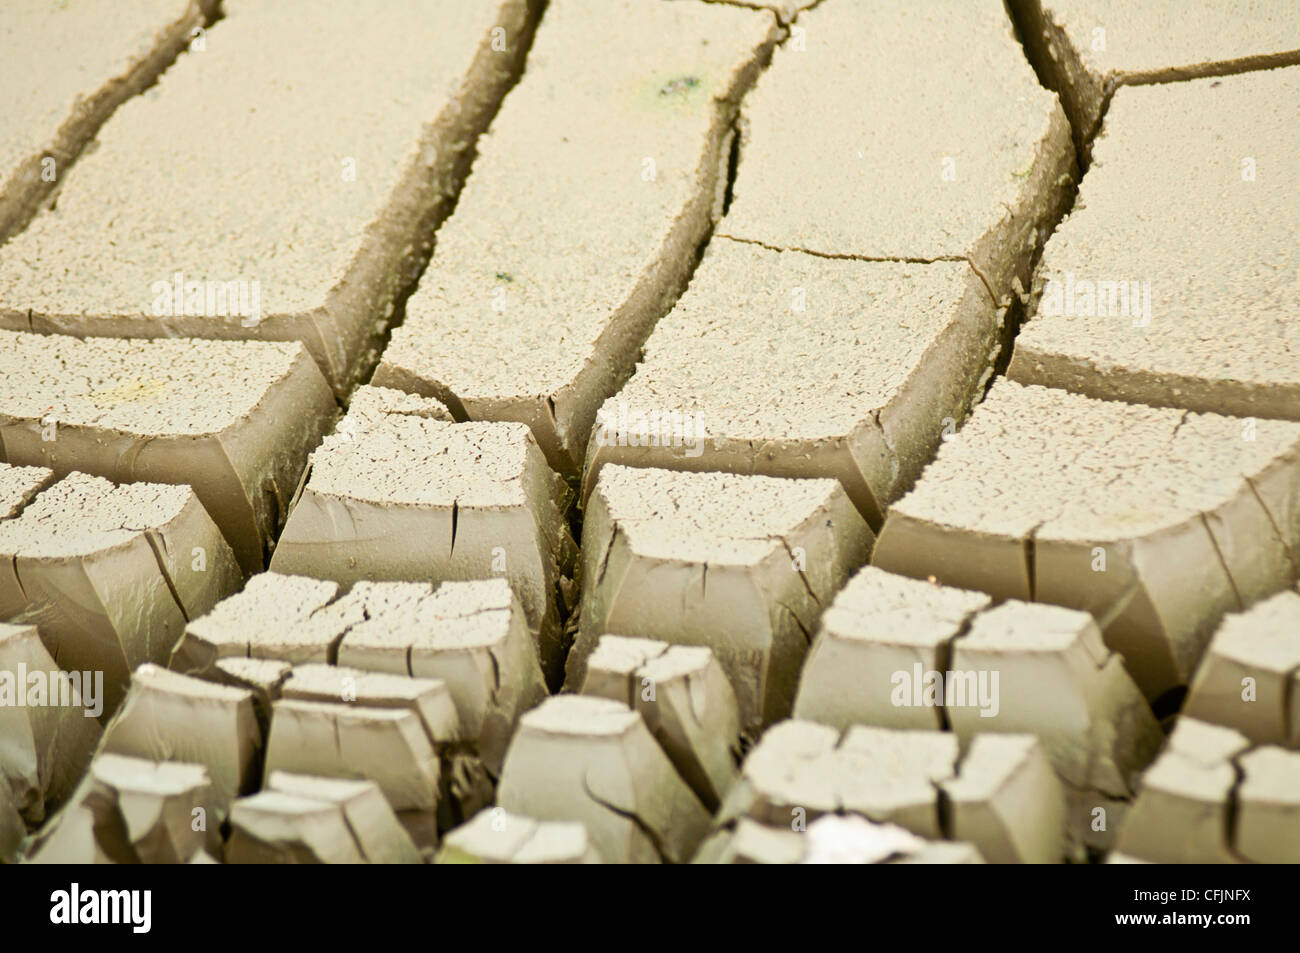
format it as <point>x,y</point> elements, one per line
<point>649,431</point>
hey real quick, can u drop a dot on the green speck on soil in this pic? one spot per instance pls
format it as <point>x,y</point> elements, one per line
<point>504,276</point>
<point>681,84</point>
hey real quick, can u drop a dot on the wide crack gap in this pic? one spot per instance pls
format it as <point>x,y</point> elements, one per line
<point>1232,804</point>
<point>460,171</point>
<point>943,656</point>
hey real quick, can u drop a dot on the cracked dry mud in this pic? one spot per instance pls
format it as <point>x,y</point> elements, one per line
<point>649,431</point>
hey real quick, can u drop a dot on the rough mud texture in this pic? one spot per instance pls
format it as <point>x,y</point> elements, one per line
<point>322,356</point>
<point>109,574</point>
<point>400,495</point>
<point>879,624</point>
<point>113,53</point>
<point>1157,522</point>
<point>1054,678</point>
<point>1138,300</point>
<point>1087,49</point>
<point>331,213</point>
<point>911,171</point>
<point>569,242</point>
<point>472,636</point>
<point>741,565</point>
<point>1002,794</point>
<point>233,420</point>
<point>724,383</point>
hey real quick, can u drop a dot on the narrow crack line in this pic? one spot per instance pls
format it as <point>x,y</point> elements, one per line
<point>1173,434</point>
<point>18,581</point>
<point>1236,593</point>
<point>807,635</point>
<point>1287,550</point>
<point>604,559</point>
<point>988,285</point>
<point>794,564</point>
<point>655,843</point>
<point>151,538</point>
<point>455,519</point>
<point>356,839</point>
<point>846,257</point>
<point>496,674</point>
<point>1029,547</point>
<point>944,662</point>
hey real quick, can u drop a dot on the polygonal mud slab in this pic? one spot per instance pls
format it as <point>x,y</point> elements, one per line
<point>134,810</point>
<point>108,56</point>
<point>386,745</point>
<point>151,812</point>
<point>902,653</point>
<point>1267,826</point>
<point>47,725</point>
<point>301,819</point>
<point>1055,679</point>
<point>1133,291</point>
<point>1007,801</point>
<point>686,700</point>
<point>912,172</point>
<point>1086,49</point>
<point>495,836</point>
<point>739,564</point>
<point>800,771</point>
<point>405,496</point>
<point>879,625</point>
<point>429,698</point>
<point>470,635</point>
<point>1002,796</point>
<point>19,486</point>
<point>172,717</point>
<point>234,420</point>
<point>1250,678</point>
<point>263,677</point>
<point>290,618</point>
<point>577,758</point>
<point>318,230</point>
<point>1156,522</point>
<point>551,273</point>
<point>899,351</point>
<point>110,574</point>
<point>464,783</point>
<point>1182,814</point>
